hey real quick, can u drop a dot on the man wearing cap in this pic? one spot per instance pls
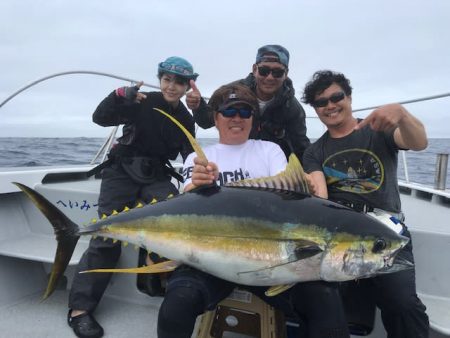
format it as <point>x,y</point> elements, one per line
<point>191,292</point>
<point>137,170</point>
<point>281,118</point>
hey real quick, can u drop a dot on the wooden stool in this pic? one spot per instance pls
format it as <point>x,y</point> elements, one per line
<point>244,313</point>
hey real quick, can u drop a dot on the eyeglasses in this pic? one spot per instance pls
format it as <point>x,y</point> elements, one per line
<point>276,72</point>
<point>232,112</point>
<point>177,68</point>
<point>323,102</point>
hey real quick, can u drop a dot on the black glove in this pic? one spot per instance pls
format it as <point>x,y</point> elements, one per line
<point>127,93</point>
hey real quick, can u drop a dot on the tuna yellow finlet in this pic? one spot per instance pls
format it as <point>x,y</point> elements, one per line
<point>104,216</point>
<point>126,209</point>
<point>94,220</point>
<point>169,196</point>
<point>153,201</point>
<point>139,205</point>
<point>114,212</point>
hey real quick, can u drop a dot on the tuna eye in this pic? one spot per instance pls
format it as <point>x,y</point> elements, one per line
<point>379,245</point>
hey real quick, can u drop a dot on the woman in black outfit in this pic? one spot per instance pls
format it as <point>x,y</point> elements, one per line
<point>137,169</point>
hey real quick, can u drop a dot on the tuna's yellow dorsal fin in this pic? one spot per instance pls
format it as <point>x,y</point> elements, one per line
<point>277,289</point>
<point>293,178</point>
<point>198,150</point>
<point>166,266</point>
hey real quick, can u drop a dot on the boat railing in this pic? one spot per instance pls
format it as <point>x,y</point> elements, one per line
<point>100,156</point>
<point>441,163</point>
<point>440,178</point>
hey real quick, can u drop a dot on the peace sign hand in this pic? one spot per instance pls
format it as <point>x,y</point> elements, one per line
<point>131,94</point>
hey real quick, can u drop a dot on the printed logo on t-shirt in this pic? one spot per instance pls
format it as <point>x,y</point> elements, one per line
<point>224,177</point>
<point>358,171</point>
<point>232,176</point>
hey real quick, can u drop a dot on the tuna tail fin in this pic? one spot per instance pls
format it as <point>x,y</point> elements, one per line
<point>66,233</point>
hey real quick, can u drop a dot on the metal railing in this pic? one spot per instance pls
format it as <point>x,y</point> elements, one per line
<point>402,152</point>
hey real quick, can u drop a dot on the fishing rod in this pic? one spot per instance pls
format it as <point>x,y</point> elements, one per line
<point>70,73</point>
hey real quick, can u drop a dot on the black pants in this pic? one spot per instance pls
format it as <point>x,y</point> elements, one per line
<point>402,312</point>
<point>191,292</point>
<point>117,191</point>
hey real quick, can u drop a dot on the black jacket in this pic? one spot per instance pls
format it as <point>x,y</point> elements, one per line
<point>282,121</point>
<point>147,132</point>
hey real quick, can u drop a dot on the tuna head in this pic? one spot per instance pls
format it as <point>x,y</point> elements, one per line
<point>352,256</point>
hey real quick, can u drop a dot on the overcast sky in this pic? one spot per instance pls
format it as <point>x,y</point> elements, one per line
<point>390,50</point>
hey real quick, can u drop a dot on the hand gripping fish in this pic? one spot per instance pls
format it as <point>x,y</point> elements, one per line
<point>264,232</point>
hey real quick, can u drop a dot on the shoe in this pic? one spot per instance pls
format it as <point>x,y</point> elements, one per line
<point>151,285</point>
<point>85,325</point>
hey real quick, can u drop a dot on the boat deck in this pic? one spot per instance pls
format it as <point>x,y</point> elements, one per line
<point>32,318</point>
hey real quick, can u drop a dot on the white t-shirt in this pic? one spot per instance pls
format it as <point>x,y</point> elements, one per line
<point>252,159</point>
<point>262,104</point>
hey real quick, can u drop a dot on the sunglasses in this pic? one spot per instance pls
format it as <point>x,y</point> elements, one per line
<point>323,102</point>
<point>177,68</point>
<point>276,72</point>
<point>232,112</point>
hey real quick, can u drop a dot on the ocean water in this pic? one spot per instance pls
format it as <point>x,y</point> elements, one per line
<point>29,152</point>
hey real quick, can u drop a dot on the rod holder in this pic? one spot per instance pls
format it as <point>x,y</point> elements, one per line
<point>440,177</point>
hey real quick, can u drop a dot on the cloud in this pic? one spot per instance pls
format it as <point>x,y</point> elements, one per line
<point>391,51</point>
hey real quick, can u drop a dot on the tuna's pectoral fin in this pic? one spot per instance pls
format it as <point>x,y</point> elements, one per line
<point>277,289</point>
<point>303,249</point>
<point>303,252</point>
<point>166,266</point>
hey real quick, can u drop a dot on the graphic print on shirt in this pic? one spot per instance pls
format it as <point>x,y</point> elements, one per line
<point>358,171</point>
<point>224,177</point>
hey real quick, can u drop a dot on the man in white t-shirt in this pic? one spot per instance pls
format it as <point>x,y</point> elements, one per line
<point>191,292</point>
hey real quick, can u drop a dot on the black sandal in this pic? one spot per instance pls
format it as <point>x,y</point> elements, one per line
<point>85,325</point>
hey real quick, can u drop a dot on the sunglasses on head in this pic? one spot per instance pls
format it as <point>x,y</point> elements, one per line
<point>276,72</point>
<point>244,113</point>
<point>177,68</point>
<point>323,102</point>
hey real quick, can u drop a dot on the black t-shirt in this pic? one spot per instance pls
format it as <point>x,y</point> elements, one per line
<point>359,168</point>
